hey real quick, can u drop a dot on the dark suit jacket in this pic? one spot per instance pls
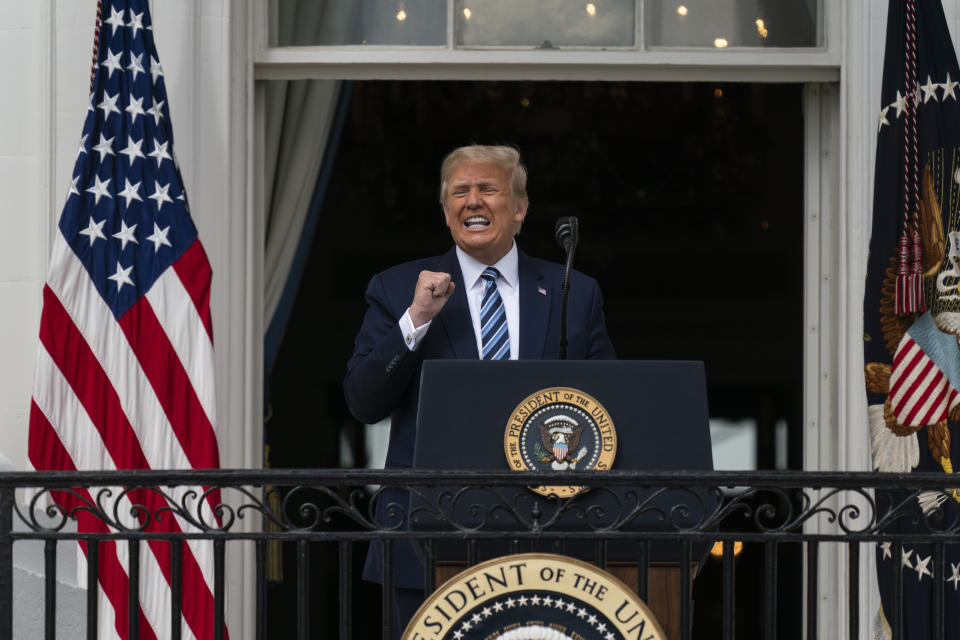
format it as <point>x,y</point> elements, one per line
<point>383,375</point>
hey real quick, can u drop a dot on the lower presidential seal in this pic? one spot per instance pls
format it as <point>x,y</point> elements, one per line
<point>534,596</point>
<point>560,429</point>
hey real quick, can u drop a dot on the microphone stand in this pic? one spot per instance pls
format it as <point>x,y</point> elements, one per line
<point>565,285</point>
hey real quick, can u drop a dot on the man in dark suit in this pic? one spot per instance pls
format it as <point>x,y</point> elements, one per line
<point>484,296</point>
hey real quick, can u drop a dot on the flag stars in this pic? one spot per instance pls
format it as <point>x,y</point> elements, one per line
<point>156,110</point>
<point>129,193</point>
<point>109,104</point>
<point>949,87</point>
<point>82,149</point>
<point>94,230</point>
<point>134,108</point>
<point>136,22</point>
<point>112,63</point>
<point>883,119</point>
<point>159,152</point>
<point>885,548</point>
<point>136,66</point>
<point>955,576</point>
<point>900,104</point>
<point>115,20</point>
<point>73,187</point>
<point>132,150</point>
<point>906,558</point>
<point>159,238</point>
<point>104,147</point>
<point>122,276</point>
<point>160,194</point>
<point>99,189</point>
<point>921,567</point>
<point>125,234</point>
<point>156,70</point>
<point>930,91</point>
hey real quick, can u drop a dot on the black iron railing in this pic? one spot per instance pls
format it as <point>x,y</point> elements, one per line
<point>462,517</point>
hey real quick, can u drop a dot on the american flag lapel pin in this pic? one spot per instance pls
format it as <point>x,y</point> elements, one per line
<point>541,291</point>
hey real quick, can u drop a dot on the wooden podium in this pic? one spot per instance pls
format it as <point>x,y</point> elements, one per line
<point>659,409</point>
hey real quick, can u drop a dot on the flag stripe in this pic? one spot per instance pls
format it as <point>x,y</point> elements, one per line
<point>112,575</point>
<point>108,343</point>
<point>904,368</point>
<point>195,273</point>
<point>919,389</point>
<point>929,401</point>
<point>174,310</point>
<point>914,377</point>
<point>93,390</point>
<point>87,451</point>
<point>71,354</point>
<point>160,364</point>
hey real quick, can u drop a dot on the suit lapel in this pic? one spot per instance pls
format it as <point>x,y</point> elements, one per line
<point>534,309</point>
<point>455,315</point>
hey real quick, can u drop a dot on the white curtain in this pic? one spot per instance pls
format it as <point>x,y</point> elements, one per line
<point>299,115</point>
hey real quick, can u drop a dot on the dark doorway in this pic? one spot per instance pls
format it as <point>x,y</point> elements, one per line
<point>690,199</point>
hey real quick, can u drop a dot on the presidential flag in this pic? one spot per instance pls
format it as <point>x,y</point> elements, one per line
<point>912,312</point>
<point>124,376</point>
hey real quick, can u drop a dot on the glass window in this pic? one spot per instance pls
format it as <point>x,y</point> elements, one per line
<point>555,24</point>
<point>732,23</point>
<point>530,24</point>
<point>343,22</point>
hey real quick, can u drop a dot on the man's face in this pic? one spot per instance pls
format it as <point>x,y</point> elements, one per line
<point>481,212</point>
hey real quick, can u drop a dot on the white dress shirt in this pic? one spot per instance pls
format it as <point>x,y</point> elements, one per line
<point>508,284</point>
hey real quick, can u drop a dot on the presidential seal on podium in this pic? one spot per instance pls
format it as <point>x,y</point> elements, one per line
<point>560,429</point>
<point>533,596</point>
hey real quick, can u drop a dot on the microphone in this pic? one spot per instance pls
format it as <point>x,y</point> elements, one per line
<point>567,231</point>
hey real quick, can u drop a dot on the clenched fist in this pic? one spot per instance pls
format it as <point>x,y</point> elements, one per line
<point>432,292</point>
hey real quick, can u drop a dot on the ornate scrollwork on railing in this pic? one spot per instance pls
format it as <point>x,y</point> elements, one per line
<point>412,503</point>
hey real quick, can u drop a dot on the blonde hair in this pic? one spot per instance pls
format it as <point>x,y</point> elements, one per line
<point>508,158</point>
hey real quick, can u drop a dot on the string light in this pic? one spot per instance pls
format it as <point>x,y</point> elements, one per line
<point>402,14</point>
<point>591,9</point>
<point>467,13</point>
<point>720,43</point>
<point>718,93</point>
<point>682,11</point>
<point>524,102</point>
<point>761,28</point>
<point>717,549</point>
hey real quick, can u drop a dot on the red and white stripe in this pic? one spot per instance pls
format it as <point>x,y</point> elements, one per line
<point>920,394</point>
<point>133,394</point>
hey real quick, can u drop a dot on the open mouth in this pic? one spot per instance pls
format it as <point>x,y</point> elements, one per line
<point>476,222</point>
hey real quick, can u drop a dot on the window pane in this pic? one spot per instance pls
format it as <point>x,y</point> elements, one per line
<point>559,23</point>
<point>734,23</point>
<point>340,22</point>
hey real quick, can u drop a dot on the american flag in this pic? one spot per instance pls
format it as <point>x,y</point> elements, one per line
<point>124,376</point>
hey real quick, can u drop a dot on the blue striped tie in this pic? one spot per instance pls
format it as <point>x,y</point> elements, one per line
<point>494,336</point>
